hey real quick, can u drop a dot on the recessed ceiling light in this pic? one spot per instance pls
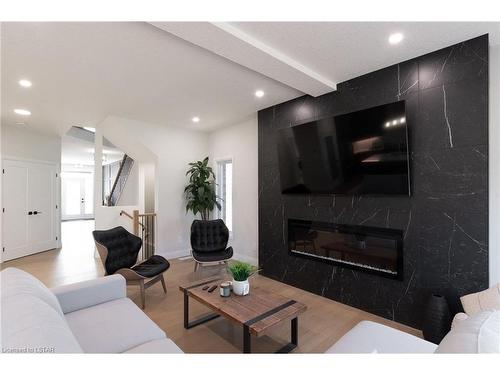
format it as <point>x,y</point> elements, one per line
<point>25,83</point>
<point>195,119</point>
<point>395,38</point>
<point>259,93</point>
<point>22,112</point>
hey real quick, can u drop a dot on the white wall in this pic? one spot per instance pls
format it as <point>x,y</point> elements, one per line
<point>147,176</point>
<point>22,143</point>
<point>240,142</point>
<point>494,165</point>
<point>170,149</point>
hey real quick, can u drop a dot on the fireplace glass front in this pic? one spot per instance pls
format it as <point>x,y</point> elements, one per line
<point>370,249</point>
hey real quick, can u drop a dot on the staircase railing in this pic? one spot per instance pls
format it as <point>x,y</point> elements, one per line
<point>121,179</point>
<point>144,226</point>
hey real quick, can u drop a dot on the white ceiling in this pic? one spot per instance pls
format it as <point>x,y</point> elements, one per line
<point>83,72</point>
<point>170,72</point>
<point>340,51</point>
<point>314,56</point>
<point>77,151</point>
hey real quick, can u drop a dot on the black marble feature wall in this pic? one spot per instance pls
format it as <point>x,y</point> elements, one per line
<point>445,220</point>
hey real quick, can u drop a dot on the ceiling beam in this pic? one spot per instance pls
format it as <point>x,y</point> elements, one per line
<point>233,44</point>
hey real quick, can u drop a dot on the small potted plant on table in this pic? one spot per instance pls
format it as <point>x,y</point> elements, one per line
<point>241,272</point>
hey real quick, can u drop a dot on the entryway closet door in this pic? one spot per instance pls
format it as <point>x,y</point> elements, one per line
<point>42,203</point>
<point>29,208</point>
<point>15,206</point>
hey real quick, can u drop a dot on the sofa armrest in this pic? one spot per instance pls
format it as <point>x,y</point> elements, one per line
<point>85,294</point>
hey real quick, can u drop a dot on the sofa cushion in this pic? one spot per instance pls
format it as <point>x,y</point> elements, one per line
<point>88,293</point>
<point>480,333</point>
<point>156,346</point>
<point>15,282</point>
<point>488,299</point>
<point>370,337</point>
<point>31,325</point>
<point>112,327</point>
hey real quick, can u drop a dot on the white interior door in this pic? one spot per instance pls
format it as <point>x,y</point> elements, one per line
<point>15,209</point>
<point>30,214</point>
<point>77,196</point>
<point>41,204</point>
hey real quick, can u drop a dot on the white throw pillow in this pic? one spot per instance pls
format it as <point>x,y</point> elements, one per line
<point>479,333</point>
<point>15,282</point>
<point>460,317</point>
<point>488,299</point>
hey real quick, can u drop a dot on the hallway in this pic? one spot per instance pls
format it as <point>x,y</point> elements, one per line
<point>73,262</point>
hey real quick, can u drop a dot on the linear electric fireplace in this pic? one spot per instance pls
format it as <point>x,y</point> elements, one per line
<point>370,249</point>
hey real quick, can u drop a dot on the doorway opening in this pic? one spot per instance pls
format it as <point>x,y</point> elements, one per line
<point>77,174</point>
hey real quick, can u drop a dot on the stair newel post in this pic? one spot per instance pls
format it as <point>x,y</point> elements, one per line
<point>136,222</point>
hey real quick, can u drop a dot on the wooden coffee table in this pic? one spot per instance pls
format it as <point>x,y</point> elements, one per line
<point>255,312</point>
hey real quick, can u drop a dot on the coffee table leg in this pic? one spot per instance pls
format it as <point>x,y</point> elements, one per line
<point>295,331</point>
<point>186,310</point>
<point>294,335</point>
<point>197,322</point>
<point>247,340</point>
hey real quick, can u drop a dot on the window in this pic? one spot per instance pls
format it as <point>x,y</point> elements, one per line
<point>225,191</point>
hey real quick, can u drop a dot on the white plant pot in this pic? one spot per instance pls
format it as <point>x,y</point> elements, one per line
<point>241,288</point>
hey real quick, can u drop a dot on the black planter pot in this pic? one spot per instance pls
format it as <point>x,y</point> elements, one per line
<point>437,319</point>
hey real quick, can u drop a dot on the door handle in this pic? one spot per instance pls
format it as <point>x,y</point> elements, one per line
<point>30,213</point>
<point>37,212</point>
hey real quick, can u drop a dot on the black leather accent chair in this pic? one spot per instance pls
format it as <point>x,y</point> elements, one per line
<point>119,249</point>
<point>209,242</point>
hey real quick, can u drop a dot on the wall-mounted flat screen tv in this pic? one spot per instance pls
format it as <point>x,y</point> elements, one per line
<point>363,152</point>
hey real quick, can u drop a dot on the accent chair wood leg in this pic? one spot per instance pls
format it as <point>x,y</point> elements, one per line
<point>196,265</point>
<point>163,284</point>
<point>143,294</point>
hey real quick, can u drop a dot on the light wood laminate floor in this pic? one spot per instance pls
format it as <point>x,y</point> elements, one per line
<point>320,326</point>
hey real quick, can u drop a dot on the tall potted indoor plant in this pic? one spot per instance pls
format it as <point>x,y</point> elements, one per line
<point>200,192</point>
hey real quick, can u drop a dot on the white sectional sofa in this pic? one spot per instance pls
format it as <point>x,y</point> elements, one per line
<point>479,333</point>
<point>371,337</point>
<point>476,331</point>
<point>88,317</point>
